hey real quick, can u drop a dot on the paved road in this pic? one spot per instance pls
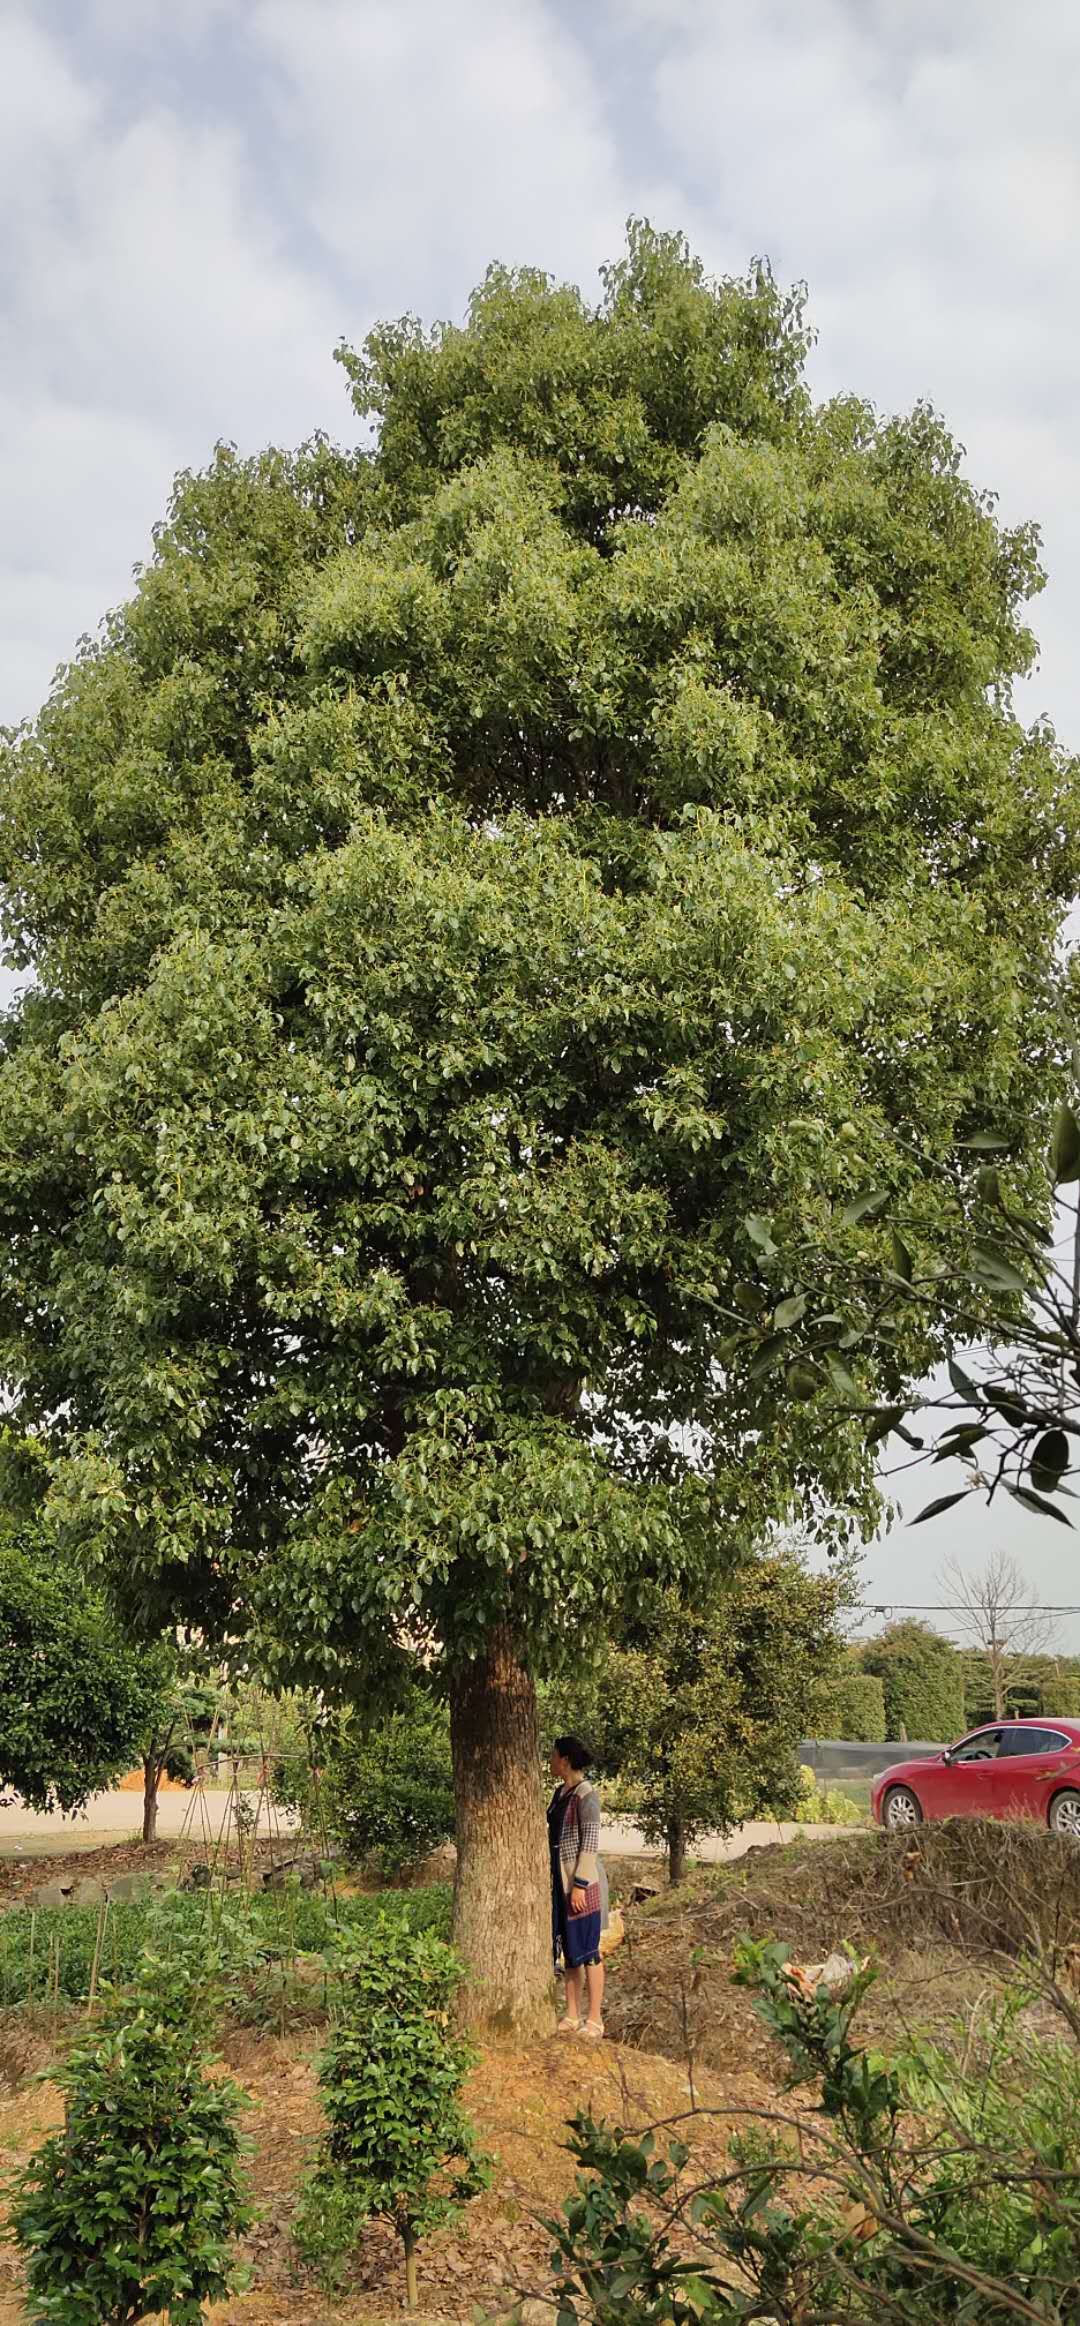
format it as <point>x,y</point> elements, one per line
<point>118,1817</point>
<point>618,1839</point>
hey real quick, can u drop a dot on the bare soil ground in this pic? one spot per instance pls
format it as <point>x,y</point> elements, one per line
<point>520,2102</point>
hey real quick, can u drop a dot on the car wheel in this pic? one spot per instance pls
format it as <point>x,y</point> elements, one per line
<point>901,1810</point>
<point>1065,1815</point>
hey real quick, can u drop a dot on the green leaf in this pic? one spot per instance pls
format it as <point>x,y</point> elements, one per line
<point>988,1184</point>
<point>1007,1401</point>
<point>962,1383</point>
<point>901,1257</point>
<point>865,1206</point>
<point>994,1268</point>
<point>1065,1146</point>
<point>958,1442</point>
<point>760,1233</point>
<point>1049,1458</point>
<point>788,1312</point>
<point>985,1143</point>
<point>842,1381</point>
<point>803,1378</point>
<point>769,1353</point>
<point>883,1422</point>
<point>1033,1501</point>
<point>944,1502</point>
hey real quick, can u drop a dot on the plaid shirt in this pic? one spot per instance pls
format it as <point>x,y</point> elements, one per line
<point>579,1845</point>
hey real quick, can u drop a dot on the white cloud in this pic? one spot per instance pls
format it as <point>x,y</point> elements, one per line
<point>918,167</point>
<point>428,140</point>
<point>152,307</point>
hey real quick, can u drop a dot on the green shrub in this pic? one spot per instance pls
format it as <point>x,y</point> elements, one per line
<point>856,1706</point>
<point>383,1795</point>
<point>926,2188</point>
<point>922,1676</point>
<point>1061,1700</point>
<point>819,1805</point>
<point>135,2205</point>
<point>397,2144</point>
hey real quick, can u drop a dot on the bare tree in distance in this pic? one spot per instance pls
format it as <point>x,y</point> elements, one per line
<point>995,1611</point>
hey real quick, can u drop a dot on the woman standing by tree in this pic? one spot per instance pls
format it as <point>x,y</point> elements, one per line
<point>578,1885</point>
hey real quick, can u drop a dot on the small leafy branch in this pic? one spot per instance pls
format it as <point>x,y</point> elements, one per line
<point>917,2189</point>
<point>398,2143</point>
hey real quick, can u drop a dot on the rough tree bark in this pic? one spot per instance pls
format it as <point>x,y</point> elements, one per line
<point>676,1849</point>
<point>502,1896</point>
<point>152,1768</point>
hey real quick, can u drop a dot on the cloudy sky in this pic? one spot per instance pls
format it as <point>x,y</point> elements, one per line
<point>201,197</point>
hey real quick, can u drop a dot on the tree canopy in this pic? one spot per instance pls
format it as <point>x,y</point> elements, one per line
<point>76,1696</point>
<point>493,896</point>
<point>702,1705</point>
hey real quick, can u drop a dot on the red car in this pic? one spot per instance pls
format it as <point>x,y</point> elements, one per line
<point>1016,1768</point>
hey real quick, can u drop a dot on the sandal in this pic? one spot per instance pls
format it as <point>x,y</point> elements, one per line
<point>591,2030</point>
<point>568,2026</point>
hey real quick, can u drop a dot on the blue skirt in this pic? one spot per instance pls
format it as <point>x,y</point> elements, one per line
<point>576,1936</point>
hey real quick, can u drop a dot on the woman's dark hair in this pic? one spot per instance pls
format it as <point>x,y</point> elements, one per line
<point>571,1748</point>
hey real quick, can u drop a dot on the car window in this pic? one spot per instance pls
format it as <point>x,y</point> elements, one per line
<point>1022,1739</point>
<point>983,1747</point>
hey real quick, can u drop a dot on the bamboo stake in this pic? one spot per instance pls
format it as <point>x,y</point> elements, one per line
<point>99,1946</point>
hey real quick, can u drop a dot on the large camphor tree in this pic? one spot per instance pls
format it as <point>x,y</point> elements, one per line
<point>491,896</point>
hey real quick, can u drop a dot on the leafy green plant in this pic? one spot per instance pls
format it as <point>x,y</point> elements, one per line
<point>933,2186</point>
<point>48,1950</point>
<point>398,2144</point>
<point>135,2206</point>
<point>611,832</point>
<point>922,1675</point>
<point>384,1795</point>
<point>699,1702</point>
<point>851,1705</point>
<point>824,1804</point>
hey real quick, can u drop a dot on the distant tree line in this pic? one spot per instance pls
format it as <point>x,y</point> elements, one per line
<point>911,1682</point>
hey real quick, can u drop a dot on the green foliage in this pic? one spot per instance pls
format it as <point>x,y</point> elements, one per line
<point>922,1675</point>
<point>935,2186</point>
<point>852,1707</point>
<point>383,1794</point>
<point>135,2206</point>
<point>398,2145</point>
<point>50,1949</point>
<point>701,1711</point>
<point>1061,1700</point>
<point>824,1805</point>
<point>75,1695</point>
<point>495,899</point>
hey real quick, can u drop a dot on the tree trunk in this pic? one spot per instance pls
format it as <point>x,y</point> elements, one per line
<point>152,1767</point>
<point>408,2239</point>
<point>676,1850</point>
<point>502,1887</point>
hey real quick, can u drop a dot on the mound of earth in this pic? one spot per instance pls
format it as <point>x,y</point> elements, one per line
<point>940,1910</point>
